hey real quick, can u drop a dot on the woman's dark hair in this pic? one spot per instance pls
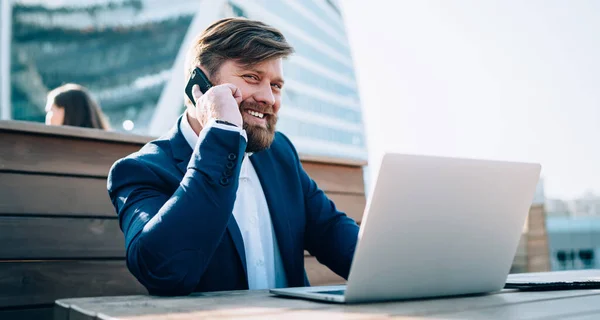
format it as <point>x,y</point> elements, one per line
<point>80,108</point>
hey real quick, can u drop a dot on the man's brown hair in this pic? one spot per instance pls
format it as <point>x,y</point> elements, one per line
<point>248,42</point>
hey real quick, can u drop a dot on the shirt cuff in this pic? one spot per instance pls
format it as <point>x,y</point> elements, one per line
<point>212,123</point>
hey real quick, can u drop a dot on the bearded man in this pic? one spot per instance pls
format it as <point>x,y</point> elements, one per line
<point>222,202</point>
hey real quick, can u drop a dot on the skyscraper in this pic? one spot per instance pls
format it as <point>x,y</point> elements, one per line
<point>126,53</point>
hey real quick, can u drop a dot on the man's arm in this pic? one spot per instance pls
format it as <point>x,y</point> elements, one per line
<point>330,235</point>
<point>171,238</point>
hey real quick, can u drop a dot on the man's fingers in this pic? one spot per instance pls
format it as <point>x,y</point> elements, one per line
<point>218,104</point>
<point>196,92</point>
<point>235,91</point>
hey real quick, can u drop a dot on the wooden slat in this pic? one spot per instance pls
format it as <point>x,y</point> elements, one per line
<point>33,238</point>
<point>69,131</point>
<point>335,178</point>
<point>28,139</point>
<point>25,283</point>
<point>67,155</point>
<point>59,155</point>
<point>39,237</point>
<point>352,204</point>
<point>38,313</point>
<point>319,274</point>
<point>41,129</point>
<point>54,195</point>
<point>332,160</point>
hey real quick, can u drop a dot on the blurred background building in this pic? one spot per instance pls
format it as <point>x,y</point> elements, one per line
<point>560,234</point>
<point>125,52</point>
<point>574,232</point>
<point>574,242</point>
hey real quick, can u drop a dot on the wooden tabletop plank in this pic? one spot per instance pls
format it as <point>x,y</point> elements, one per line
<point>248,304</point>
<point>551,308</point>
<point>443,306</point>
<point>224,304</point>
<point>585,316</point>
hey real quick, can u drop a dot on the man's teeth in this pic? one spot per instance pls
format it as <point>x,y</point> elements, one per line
<point>256,114</point>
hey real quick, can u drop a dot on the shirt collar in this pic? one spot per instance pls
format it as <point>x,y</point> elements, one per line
<point>188,133</point>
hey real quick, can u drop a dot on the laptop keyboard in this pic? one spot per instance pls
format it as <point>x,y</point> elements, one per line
<point>335,292</point>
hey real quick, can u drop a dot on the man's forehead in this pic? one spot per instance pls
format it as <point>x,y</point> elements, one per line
<point>273,66</point>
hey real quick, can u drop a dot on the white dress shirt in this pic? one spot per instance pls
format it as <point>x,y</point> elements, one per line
<point>251,212</point>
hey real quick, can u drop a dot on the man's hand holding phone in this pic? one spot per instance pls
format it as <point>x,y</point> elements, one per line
<point>219,102</point>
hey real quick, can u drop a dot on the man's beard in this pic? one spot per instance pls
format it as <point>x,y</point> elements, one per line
<point>259,137</point>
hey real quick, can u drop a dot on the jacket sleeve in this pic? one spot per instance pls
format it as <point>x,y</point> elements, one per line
<point>170,238</point>
<point>330,235</point>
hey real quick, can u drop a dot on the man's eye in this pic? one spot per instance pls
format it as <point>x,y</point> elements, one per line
<point>278,86</point>
<point>249,76</point>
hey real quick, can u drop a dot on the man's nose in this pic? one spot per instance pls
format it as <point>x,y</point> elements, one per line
<point>265,95</point>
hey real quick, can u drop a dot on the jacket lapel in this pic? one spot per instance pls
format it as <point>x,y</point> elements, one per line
<point>182,152</point>
<point>265,165</point>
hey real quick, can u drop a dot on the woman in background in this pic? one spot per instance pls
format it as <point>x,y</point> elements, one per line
<point>72,105</point>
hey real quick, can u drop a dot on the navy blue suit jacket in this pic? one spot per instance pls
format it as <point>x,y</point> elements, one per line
<point>175,209</point>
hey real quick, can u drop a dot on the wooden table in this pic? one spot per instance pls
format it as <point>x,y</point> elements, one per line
<point>508,304</point>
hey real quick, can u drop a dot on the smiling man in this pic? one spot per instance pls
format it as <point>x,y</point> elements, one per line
<point>222,202</point>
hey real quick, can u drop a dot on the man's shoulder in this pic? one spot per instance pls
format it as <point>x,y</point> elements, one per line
<point>154,155</point>
<point>155,151</point>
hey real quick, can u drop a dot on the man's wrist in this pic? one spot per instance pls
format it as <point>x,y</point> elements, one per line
<point>226,122</point>
<point>224,125</point>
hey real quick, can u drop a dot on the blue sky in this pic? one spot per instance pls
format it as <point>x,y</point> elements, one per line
<point>508,80</point>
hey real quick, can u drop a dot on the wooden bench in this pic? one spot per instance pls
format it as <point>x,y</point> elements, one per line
<point>60,235</point>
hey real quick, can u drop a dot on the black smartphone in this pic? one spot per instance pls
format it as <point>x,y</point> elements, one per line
<point>197,77</point>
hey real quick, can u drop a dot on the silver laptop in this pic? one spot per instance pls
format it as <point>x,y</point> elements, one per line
<point>435,227</point>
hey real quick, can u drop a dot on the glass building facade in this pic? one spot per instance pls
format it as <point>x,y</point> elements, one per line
<point>124,52</point>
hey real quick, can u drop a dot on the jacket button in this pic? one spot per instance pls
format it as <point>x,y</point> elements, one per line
<point>230,165</point>
<point>224,181</point>
<point>231,156</point>
<point>228,173</point>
